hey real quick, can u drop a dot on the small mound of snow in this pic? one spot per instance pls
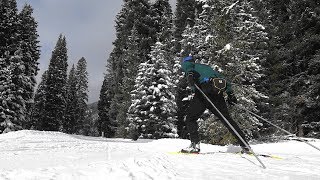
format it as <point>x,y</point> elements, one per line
<point>44,136</point>
<point>233,149</point>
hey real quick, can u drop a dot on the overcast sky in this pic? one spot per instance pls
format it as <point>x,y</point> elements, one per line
<point>89,30</point>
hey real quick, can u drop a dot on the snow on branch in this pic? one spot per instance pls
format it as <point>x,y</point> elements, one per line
<point>230,7</point>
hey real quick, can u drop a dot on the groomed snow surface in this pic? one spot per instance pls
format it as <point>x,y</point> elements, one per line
<point>52,155</point>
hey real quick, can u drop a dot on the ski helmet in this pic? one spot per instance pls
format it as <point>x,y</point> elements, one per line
<point>188,58</point>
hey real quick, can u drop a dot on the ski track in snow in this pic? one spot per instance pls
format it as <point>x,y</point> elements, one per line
<point>33,155</point>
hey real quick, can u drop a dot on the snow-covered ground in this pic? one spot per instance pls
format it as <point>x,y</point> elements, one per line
<point>53,155</point>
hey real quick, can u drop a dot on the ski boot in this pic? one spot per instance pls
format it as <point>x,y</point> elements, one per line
<point>245,150</point>
<point>193,148</point>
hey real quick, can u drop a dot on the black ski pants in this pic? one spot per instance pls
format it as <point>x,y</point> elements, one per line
<point>199,104</point>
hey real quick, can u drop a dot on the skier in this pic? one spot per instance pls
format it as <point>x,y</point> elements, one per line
<point>213,85</point>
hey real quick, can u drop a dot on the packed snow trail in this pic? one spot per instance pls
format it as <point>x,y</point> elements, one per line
<point>37,155</point>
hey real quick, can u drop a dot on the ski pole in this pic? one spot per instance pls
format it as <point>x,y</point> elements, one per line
<point>287,132</point>
<point>236,132</point>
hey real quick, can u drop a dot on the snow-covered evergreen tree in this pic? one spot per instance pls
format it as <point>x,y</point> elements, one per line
<point>16,102</point>
<point>163,18</point>
<point>311,123</point>
<point>132,59</point>
<point>8,57</point>
<point>197,39</point>
<point>241,56</point>
<point>134,13</point>
<point>8,27</point>
<point>13,109</point>
<point>56,88</point>
<point>184,16</point>
<point>105,125</point>
<point>151,114</point>
<point>20,52</point>
<point>77,97</point>
<point>81,75</point>
<point>5,81</point>
<point>38,111</point>
<point>91,124</point>
<point>69,125</point>
<point>30,55</point>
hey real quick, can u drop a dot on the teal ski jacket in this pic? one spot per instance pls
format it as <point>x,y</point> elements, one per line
<point>204,73</point>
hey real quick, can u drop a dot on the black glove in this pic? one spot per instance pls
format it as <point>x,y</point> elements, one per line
<point>190,77</point>
<point>232,99</point>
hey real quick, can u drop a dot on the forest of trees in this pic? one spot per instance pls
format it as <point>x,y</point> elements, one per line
<point>60,100</point>
<point>269,50</point>
<point>19,54</point>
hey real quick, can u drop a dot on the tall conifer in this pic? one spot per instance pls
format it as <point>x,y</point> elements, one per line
<point>105,125</point>
<point>37,110</point>
<point>19,53</point>
<point>241,48</point>
<point>28,40</point>
<point>56,88</point>
<point>135,13</point>
<point>153,108</point>
<point>69,124</point>
<point>184,16</point>
<point>81,93</point>
<point>293,62</point>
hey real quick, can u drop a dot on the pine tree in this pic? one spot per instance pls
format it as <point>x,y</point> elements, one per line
<point>8,57</point>
<point>69,124</point>
<point>92,118</point>
<point>38,111</point>
<point>13,105</point>
<point>162,16</point>
<point>294,58</point>
<point>30,51</point>
<point>81,93</point>
<point>184,16</point>
<point>242,56</point>
<point>20,53</point>
<point>18,82</point>
<point>134,14</point>
<point>311,125</point>
<point>132,60</point>
<point>8,27</point>
<point>56,88</point>
<point>105,125</point>
<point>197,39</point>
<point>134,55</point>
<point>152,110</point>
<point>4,89</point>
